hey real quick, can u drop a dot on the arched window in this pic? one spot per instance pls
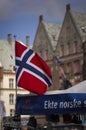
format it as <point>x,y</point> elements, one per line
<point>69,48</point>
<point>75,46</point>
<point>69,68</point>
<point>77,67</point>
<point>62,50</point>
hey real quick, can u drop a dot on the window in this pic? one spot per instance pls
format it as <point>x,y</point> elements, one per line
<point>62,50</point>
<point>11,83</point>
<point>11,112</point>
<point>77,67</point>
<point>75,46</point>
<point>69,49</point>
<point>46,53</point>
<point>11,99</point>
<point>40,53</point>
<point>69,68</point>
<point>62,71</point>
<point>54,38</point>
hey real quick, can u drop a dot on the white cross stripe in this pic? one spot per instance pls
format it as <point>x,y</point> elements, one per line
<point>30,72</point>
<point>29,63</point>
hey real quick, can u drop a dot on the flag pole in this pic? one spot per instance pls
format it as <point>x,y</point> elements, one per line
<point>15,71</point>
<point>16,116</point>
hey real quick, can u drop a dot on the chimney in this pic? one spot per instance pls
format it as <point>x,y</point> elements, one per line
<point>28,41</point>
<point>9,38</point>
<point>1,72</point>
<point>15,37</point>
<point>40,18</point>
<point>68,7</point>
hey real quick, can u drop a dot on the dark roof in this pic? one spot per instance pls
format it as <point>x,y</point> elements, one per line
<point>52,31</point>
<point>7,55</point>
<point>80,22</point>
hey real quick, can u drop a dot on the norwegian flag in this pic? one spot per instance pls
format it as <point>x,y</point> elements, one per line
<point>32,72</point>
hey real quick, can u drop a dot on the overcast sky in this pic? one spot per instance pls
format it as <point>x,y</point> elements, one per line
<point>21,17</point>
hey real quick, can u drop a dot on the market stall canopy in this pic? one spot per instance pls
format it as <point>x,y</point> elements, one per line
<point>69,101</point>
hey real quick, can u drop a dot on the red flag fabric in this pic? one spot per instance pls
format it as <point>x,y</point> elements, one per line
<point>32,72</point>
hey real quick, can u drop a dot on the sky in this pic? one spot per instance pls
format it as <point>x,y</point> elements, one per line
<point>21,17</point>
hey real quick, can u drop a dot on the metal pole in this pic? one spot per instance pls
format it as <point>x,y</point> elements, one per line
<point>15,73</point>
<point>84,61</point>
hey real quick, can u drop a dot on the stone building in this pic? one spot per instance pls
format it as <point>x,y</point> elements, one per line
<point>51,41</point>
<point>70,44</point>
<point>7,75</point>
<point>64,41</point>
<point>45,44</point>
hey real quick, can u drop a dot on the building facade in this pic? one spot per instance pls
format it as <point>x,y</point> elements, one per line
<point>64,41</point>
<point>70,45</point>
<point>8,86</point>
<point>51,41</point>
<point>45,43</point>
